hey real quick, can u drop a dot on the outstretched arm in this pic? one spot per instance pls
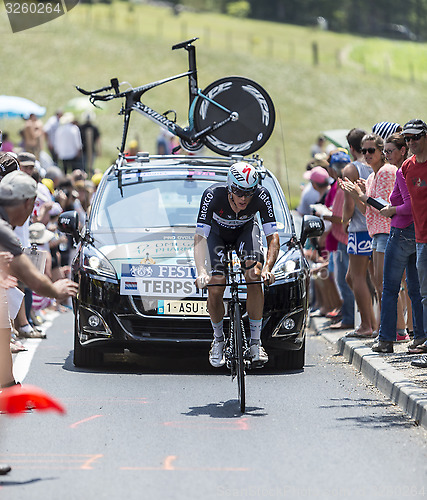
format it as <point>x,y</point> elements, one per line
<point>24,269</point>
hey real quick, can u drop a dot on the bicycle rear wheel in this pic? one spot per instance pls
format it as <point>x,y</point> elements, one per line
<point>240,363</point>
<point>256,116</point>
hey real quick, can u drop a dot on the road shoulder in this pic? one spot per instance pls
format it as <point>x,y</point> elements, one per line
<point>392,374</point>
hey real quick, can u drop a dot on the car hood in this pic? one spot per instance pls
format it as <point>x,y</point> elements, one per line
<point>147,246</point>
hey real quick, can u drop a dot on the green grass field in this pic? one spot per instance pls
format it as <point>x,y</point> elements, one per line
<point>357,81</point>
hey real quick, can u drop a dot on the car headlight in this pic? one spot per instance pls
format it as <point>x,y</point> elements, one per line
<point>287,267</point>
<point>94,261</point>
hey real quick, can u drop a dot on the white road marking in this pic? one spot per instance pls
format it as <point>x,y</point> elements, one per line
<point>22,360</point>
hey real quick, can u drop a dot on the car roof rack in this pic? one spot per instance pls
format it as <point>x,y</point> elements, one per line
<point>142,160</point>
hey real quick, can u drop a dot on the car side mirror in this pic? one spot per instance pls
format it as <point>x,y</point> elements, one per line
<point>68,223</point>
<point>312,227</point>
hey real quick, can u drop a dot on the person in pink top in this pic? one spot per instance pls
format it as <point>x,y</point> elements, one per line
<point>379,186</point>
<point>337,161</point>
<point>400,255</point>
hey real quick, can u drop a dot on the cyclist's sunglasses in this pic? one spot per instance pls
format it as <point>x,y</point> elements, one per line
<point>416,137</point>
<point>242,192</point>
<point>371,151</point>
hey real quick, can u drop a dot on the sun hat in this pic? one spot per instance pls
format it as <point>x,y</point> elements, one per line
<point>320,160</point>
<point>318,175</point>
<point>96,178</point>
<point>66,118</point>
<point>26,159</point>
<point>39,234</point>
<point>49,184</point>
<point>17,185</point>
<point>385,129</point>
<point>339,157</point>
<point>415,126</point>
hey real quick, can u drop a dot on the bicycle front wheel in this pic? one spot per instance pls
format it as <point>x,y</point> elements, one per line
<point>254,113</point>
<point>240,363</point>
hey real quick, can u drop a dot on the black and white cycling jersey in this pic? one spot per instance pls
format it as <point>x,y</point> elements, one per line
<point>216,214</point>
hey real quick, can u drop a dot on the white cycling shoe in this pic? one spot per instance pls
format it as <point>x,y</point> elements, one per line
<point>216,354</point>
<point>257,355</point>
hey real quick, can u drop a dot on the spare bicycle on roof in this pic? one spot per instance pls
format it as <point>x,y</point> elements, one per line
<point>233,115</point>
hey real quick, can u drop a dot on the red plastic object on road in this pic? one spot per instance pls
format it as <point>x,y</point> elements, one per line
<point>19,399</point>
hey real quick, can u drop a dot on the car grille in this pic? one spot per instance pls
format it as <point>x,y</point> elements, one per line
<point>167,329</point>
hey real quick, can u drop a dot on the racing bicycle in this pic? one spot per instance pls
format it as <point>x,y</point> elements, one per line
<point>232,115</point>
<point>236,349</point>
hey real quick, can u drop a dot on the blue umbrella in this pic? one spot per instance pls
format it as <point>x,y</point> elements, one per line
<point>13,106</point>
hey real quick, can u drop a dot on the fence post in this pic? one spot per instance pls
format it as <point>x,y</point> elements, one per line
<point>315,49</point>
<point>338,58</point>
<point>251,44</point>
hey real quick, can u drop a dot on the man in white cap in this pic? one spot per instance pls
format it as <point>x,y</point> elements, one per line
<point>18,192</point>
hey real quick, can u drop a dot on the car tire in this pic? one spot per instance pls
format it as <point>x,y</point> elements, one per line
<point>290,360</point>
<point>85,357</point>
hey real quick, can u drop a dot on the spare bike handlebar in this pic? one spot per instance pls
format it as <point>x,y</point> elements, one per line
<point>94,94</point>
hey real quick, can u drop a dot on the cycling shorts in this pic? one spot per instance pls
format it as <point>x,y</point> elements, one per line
<point>247,244</point>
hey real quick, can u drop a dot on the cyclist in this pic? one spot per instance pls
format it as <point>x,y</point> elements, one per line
<point>227,216</point>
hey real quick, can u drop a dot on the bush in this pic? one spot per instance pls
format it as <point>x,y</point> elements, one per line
<point>239,9</point>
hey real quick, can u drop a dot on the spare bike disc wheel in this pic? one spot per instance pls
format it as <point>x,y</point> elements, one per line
<point>253,115</point>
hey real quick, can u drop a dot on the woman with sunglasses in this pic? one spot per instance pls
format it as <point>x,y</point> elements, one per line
<point>378,186</point>
<point>227,216</point>
<point>400,255</point>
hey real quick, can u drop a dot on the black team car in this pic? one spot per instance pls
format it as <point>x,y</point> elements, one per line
<point>135,265</point>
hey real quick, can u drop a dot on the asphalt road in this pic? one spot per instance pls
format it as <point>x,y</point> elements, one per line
<point>170,429</point>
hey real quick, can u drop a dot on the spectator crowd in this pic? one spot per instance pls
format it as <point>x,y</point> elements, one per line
<point>372,257</point>
<point>63,141</point>
<point>35,240</point>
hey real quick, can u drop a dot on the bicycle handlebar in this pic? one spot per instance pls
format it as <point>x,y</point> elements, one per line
<point>94,94</point>
<point>90,92</point>
<point>240,284</point>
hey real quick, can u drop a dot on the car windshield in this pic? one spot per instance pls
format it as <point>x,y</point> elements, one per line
<point>161,202</point>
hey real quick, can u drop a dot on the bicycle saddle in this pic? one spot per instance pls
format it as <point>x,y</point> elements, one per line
<point>182,45</point>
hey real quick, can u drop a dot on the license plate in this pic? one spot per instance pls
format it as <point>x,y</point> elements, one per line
<point>182,307</point>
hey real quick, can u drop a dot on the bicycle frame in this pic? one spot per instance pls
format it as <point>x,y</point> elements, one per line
<point>133,103</point>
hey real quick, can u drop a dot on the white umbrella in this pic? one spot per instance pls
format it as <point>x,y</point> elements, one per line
<point>13,106</point>
<point>79,105</point>
<point>338,137</point>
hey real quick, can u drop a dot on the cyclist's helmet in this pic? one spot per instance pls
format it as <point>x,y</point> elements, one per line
<point>242,179</point>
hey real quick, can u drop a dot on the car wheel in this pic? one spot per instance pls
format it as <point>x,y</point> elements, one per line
<point>85,357</point>
<point>290,360</point>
